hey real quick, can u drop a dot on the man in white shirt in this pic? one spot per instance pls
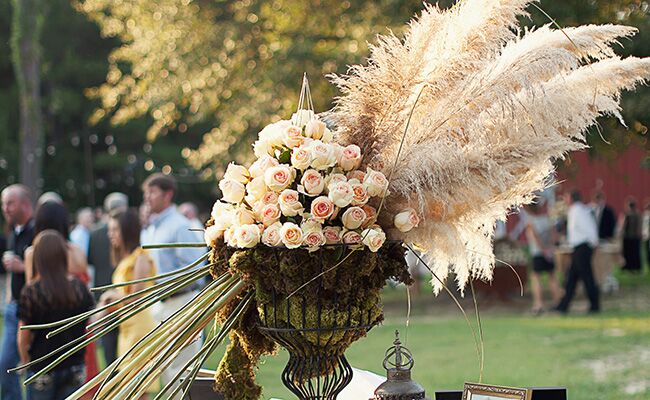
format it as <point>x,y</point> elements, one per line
<point>582,235</point>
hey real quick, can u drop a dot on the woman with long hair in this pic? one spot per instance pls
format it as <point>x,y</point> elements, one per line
<point>133,263</point>
<point>630,230</point>
<point>52,295</point>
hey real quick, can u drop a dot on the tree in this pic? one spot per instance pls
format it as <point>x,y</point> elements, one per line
<point>26,54</point>
<point>230,67</point>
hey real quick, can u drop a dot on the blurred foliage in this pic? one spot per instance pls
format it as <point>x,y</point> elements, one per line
<point>238,63</point>
<point>208,74</point>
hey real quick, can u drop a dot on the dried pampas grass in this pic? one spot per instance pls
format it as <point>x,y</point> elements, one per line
<point>497,107</point>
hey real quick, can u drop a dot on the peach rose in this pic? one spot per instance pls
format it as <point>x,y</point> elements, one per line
<point>279,178</point>
<point>373,238</point>
<point>293,137</point>
<point>332,234</point>
<point>340,193</point>
<point>233,191</point>
<point>313,240</point>
<point>322,208</point>
<point>312,183</point>
<point>270,214</point>
<point>353,217</point>
<point>360,194</point>
<point>351,237</point>
<point>291,235</point>
<point>271,235</point>
<point>356,174</point>
<point>371,214</point>
<point>237,173</point>
<point>350,157</point>
<point>300,158</point>
<point>263,163</point>
<point>406,220</point>
<point>247,236</point>
<point>375,183</point>
<point>289,201</point>
<point>270,198</point>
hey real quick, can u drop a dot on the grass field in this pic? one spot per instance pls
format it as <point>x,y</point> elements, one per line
<point>604,357</point>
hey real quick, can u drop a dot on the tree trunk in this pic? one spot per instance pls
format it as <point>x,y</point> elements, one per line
<point>25,45</point>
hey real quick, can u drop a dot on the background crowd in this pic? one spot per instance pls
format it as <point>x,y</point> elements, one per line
<point>48,269</point>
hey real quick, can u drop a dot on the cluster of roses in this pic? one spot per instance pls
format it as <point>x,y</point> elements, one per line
<point>302,191</point>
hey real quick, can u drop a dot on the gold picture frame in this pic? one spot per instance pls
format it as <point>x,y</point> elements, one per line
<point>478,391</point>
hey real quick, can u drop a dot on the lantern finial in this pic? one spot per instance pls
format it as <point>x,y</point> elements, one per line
<point>398,362</point>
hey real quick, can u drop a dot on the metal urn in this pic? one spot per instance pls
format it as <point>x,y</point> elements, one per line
<point>398,363</point>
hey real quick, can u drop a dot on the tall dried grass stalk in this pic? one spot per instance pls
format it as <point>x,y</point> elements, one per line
<point>499,106</point>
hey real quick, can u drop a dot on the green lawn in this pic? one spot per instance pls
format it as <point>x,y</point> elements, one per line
<point>604,357</point>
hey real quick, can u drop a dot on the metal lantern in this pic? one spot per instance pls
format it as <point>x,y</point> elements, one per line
<point>398,363</point>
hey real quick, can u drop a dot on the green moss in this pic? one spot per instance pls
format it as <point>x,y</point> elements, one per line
<point>346,295</point>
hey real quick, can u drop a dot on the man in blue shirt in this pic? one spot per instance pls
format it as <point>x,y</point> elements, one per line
<point>167,225</point>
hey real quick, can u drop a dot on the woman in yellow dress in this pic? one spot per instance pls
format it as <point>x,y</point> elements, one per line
<point>132,263</point>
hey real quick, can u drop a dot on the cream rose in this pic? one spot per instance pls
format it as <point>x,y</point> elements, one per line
<point>322,208</point>
<point>263,163</point>
<point>375,183</point>
<point>332,234</point>
<point>351,237</point>
<point>406,220</point>
<point>312,183</point>
<point>271,235</point>
<point>353,217</point>
<point>293,137</point>
<point>212,234</point>
<point>279,178</point>
<point>291,235</point>
<point>255,190</point>
<point>233,191</point>
<point>371,214</point>
<point>313,240</point>
<point>244,216</point>
<point>315,129</point>
<point>229,236</point>
<point>350,157</point>
<point>360,193</point>
<point>270,214</point>
<point>237,173</point>
<point>300,158</point>
<point>333,178</point>
<point>373,238</point>
<point>220,208</point>
<point>328,136</point>
<point>269,138</point>
<point>247,236</point>
<point>323,155</point>
<point>310,225</point>
<point>340,193</point>
<point>289,201</point>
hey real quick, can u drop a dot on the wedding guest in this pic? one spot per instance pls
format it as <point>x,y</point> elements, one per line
<point>99,255</point>
<point>645,230</point>
<point>54,216</point>
<point>191,212</point>
<point>80,235</point>
<point>540,236</point>
<point>133,263</point>
<point>167,225</point>
<point>582,236</point>
<point>49,197</point>
<point>17,210</point>
<point>605,217</point>
<point>53,295</point>
<point>630,231</point>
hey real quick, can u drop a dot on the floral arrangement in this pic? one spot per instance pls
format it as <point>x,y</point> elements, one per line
<point>434,140</point>
<point>304,190</point>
